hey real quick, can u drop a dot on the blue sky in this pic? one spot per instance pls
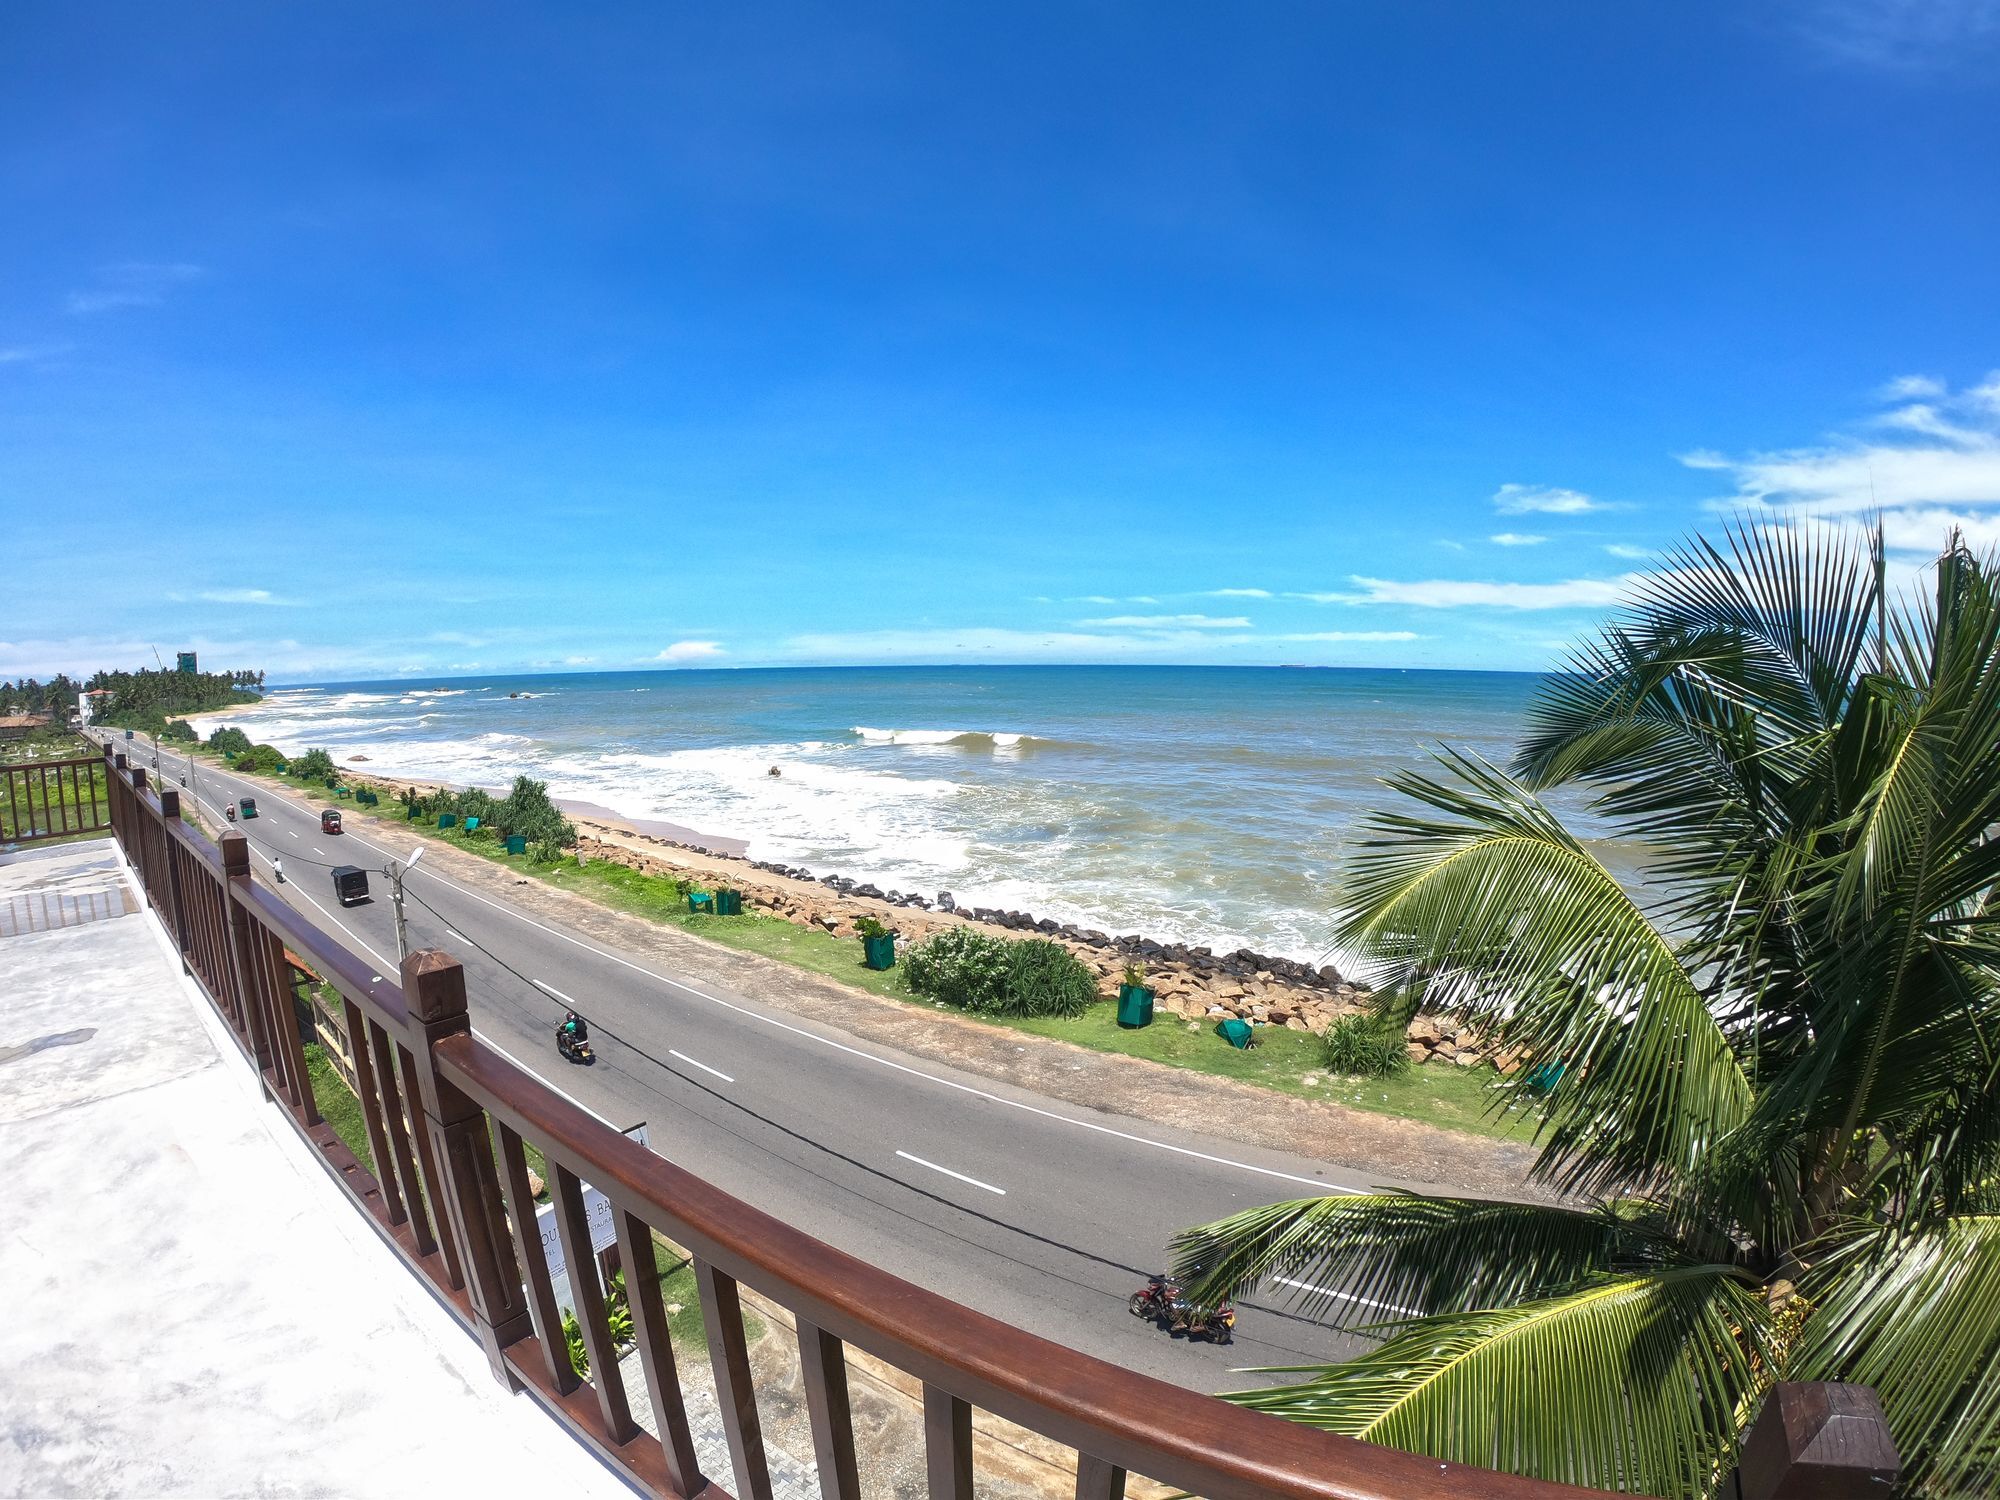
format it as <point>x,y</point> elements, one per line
<point>376,339</point>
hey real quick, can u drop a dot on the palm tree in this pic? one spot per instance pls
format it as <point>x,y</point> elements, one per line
<point>1766,1093</point>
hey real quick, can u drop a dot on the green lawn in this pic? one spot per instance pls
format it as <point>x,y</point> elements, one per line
<point>338,1105</point>
<point>1438,1094</point>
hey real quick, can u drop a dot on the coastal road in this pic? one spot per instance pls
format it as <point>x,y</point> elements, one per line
<point>1034,1211</point>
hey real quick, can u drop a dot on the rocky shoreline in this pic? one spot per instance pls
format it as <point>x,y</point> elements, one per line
<point>1189,981</point>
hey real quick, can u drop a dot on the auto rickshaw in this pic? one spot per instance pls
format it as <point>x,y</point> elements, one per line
<point>247,806</point>
<point>350,884</point>
<point>329,820</point>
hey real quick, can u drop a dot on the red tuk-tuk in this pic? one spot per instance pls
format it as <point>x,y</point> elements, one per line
<point>329,820</point>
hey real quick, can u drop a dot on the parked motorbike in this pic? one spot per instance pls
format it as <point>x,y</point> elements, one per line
<point>573,1049</point>
<point>1162,1300</point>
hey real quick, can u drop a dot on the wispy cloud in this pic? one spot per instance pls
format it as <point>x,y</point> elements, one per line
<point>1166,622</point>
<point>1236,594</point>
<point>28,354</point>
<point>1516,539</point>
<point>232,596</point>
<point>1911,36</point>
<point>1352,635</point>
<point>1530,499</point>
<point>1925,467</point>
<point>682,651</point>
<point>1455,593</point>
<point>131,284</point>
<point>1627,551</point>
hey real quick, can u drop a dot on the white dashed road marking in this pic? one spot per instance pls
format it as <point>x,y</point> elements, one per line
<point>949,1173</point>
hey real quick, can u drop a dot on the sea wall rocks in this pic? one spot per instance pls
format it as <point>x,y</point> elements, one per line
<point>1191,982</point>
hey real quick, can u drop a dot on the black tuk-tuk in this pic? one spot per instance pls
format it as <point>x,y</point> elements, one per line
<point>329,820</point>
<point>350,884</point>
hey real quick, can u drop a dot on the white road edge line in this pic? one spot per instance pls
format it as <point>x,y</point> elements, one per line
<point>551,989</point>
<point>1320,1184</point>
<point>949,1173</point>
<point>702,1065</point>
<point>1325,1291</point>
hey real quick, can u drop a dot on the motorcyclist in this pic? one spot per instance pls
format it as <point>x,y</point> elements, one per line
<point>573,1029</point>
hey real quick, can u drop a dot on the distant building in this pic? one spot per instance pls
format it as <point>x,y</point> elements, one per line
<point>20,726</point>
<point>184,661</point>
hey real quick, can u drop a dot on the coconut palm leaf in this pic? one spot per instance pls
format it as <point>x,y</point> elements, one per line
<point>1364,1257</point>
<point>1917,1316</point>
<point>1507,919</point>
<point>1633,1383</point>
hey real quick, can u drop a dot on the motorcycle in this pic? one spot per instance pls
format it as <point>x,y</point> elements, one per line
<point>1162,1300</point>
<point>229,813</point>
<point>574,1049</point>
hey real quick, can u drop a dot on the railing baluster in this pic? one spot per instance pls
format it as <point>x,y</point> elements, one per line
<point>528,1243</point>
<point>947,1444</point>
<point>1097,1479</point>
<point>371,1110</point>
<point>823,1363</point>
<point>427,1166</point>
<point>399,1137</point>
<point>735,1393</point>
<point>656,1352</point>
<point>588,1295</point>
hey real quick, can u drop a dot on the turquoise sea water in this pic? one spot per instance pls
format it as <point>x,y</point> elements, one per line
<point>1207,805</point>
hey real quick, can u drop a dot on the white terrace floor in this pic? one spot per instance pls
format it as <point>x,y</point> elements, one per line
<point>191,1305</point>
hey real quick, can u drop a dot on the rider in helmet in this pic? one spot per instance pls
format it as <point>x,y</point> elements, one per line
<point>574,1028</point>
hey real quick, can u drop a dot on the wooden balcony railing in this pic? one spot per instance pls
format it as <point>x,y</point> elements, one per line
<point>448,1119</point>
<point>53,799</point>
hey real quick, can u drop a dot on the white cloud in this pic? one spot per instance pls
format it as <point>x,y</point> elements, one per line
<point>1091,599</point>
<point>132,284</point>
<point>1353,635</point>
<point>1516,539</point>
<point>1911,388</point>
<point>578,661</point>
<point>1452,545</point>
<point>691,651</point>
<point>1236,594</point>
<point>231,596</point>
<point>1525,499</point>
<point>1452,593</point>
<point>1626,551</point>
<point>1166,622</point>
<point>1945,455</point>
<point>1906,36</point>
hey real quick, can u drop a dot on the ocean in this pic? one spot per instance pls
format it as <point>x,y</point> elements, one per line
<point>1191,804</point>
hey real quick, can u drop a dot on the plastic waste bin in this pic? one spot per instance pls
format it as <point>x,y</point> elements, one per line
<point>517,843</point>
<point>1234,1031</point>
<point>700,901</point>
<point>879,952</point>
<point>728,903</point>
<point>1135,1006</point>
<point>447,820</point>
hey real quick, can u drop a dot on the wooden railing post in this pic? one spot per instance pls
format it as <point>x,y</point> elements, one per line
<point>1817,1441</point>
<point>145,839</point>
<point>242,973</point>
<point>474,1212</point>
<point>170,809</point>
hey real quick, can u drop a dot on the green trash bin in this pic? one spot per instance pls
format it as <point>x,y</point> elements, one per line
<point>1135,1006</point>
<point>517,843</point>
<point>447,820</point>
<point>728,903</point>
<point>879,952</point>
<point>1233,1031</point>
<point>700,901</point>
<point>471,824</point>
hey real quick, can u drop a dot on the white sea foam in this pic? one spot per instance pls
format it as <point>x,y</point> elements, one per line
<point>971,739</point>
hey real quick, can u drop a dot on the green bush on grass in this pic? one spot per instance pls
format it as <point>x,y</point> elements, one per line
<point>1363,1046</point>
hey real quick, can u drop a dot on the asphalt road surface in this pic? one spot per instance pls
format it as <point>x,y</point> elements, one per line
<point>1034,1211</point>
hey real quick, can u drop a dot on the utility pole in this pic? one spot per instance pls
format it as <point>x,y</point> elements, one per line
<point>395,873</point>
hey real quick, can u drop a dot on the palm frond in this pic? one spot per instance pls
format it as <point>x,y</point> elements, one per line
<point>1364,1257</point>
<point>1632,1383</point>
<point>1917,1316</point>
<point>1507,919</point>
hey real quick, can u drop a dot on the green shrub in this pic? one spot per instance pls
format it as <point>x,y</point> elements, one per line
<point>180,730</point>
<point>959,966</point>
<point>259,759</point>
<point>1045,979</point>
<point>314,765</point>
<point>1363,1046</point>
<point>227,739</point>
